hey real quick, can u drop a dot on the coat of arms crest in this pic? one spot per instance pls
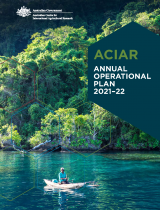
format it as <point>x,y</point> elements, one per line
<point>23,11</point>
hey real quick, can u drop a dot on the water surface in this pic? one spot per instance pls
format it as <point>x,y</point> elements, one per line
<point>126,180</point>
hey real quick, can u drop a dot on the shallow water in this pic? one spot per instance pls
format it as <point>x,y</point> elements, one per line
<point>126,180</point>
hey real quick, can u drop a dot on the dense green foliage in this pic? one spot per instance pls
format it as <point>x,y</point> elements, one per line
<point>59,58</point>
<point>15,32</point>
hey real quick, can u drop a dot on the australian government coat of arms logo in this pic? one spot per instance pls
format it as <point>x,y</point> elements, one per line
<point>24,12</point>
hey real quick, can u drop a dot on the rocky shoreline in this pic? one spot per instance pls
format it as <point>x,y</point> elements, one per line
<point>108,148</point>
<point>8,146</point>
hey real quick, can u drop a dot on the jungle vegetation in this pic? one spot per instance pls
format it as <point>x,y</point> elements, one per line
<point>58,56</point>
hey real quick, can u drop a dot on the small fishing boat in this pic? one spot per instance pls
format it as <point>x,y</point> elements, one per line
<point>64,186</point>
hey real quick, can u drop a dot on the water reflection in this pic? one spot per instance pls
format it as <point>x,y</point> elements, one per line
<point>153,156</point>
<point>63,195</point>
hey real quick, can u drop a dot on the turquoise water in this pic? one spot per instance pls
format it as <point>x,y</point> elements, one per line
<point>126,181</point>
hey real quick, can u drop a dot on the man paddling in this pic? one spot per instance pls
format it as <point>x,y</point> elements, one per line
<point>63,177</point>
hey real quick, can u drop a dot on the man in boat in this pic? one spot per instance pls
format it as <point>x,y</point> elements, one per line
<point>63,177</point>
